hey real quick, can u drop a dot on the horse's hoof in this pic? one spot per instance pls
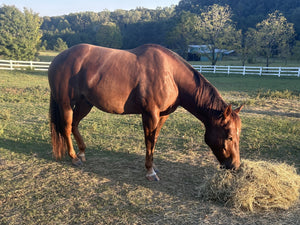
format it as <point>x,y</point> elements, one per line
<point>152,177</point>
<point>81,156</point>
<point>76,162</point>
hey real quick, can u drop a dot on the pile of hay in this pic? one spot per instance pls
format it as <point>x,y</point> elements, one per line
<point>257,185</point>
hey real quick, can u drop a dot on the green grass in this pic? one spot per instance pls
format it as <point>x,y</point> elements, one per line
<point>252,84</point>
<point>111,188</point>
<point>259,61</point>
<point>47,56</point>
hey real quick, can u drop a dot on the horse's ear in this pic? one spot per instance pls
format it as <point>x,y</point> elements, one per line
<point>238,109</point>
<point>227,111</point>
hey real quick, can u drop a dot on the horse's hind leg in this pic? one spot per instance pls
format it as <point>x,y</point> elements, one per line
<point>82,108</point>
<point>68,118</point>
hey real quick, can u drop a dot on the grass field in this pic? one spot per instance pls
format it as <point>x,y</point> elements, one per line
<point>110,188</point>
<point>47,56</point>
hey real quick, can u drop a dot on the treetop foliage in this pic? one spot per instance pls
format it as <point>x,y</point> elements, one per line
<point>247,13</point>
<point>19,33</point>
<point>136,27</point>
<point>142,25</point>
<point>216,29</point>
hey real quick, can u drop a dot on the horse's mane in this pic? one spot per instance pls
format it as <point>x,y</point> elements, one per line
<point>207,96</point>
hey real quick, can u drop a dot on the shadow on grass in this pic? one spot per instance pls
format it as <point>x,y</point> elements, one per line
<point>177,178</point>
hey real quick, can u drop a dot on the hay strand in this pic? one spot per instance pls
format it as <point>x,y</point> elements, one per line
<point>256,186</point>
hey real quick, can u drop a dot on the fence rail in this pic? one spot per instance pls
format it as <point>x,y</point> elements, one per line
<point>250,70</point>
<point>23,65</point>
<point>244,70</point>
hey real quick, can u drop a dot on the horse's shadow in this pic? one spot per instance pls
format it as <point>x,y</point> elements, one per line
<point>177,178</point>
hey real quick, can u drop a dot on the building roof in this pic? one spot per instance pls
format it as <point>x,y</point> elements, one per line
<point>204,49</point>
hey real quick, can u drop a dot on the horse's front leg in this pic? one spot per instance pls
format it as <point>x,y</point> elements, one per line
<point>152,124</point>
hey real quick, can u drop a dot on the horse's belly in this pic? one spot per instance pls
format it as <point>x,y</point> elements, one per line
<point>118,108</point>
<point>115,102</point>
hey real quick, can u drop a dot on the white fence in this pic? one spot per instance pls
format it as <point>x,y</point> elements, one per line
<point>250,70</point>
<point>23,65</point>
<point>244,70</point>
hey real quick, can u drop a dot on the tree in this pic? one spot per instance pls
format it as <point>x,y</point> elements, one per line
<point>274,36</point>
<point>19,33</point>
<point>296,50</point>
<point>246,50</point>
<point>182,33</point>
<point>109,35</point>
<point>216,30</point>
<point>60,45</point>
<point>248,13</point>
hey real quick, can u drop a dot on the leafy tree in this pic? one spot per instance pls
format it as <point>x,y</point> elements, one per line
<point>109,35</point>
<point>137,26</point>
<point>294,17</point>
<point>247,13</point>
<point>216,30</point>
<point>246,49</point>
<point>60,45</point>
<point>19,33</point>
<point>182,33</point>
<point>296,51</point>
<point>274,36</point>
<point>44,45</point>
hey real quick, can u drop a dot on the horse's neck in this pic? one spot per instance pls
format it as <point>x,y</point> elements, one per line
<point>201,98</point>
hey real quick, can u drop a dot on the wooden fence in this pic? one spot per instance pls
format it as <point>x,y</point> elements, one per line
<point>244,70</point>
<point>23,65</point>
<point>250,70</point>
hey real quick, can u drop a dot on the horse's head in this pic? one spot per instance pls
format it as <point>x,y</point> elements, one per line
<point>223,137</point>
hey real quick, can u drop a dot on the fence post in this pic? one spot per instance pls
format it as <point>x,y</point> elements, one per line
<point>228,70</point>
<point>11,64</point>
<point>31,66</point>
<point>244,70</point>
<point>279,71</point>
<point>299,72</point>
<point>260,71</point>
<point>201,69</point>
<point>214,68</point>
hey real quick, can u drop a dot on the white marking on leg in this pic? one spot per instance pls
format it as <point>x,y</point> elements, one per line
<point>81,154</point>
<point>151,173</point>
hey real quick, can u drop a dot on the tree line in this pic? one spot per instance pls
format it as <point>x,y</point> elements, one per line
<point>251,28</point>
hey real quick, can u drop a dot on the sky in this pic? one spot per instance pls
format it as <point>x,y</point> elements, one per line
<point>63,7</point>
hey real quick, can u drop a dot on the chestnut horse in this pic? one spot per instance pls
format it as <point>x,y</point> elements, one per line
<point>149,80</point>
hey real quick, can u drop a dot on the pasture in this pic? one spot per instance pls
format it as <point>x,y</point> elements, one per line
<point>110,188</point>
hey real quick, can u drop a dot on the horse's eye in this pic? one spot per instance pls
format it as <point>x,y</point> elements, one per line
<point>229,138</point>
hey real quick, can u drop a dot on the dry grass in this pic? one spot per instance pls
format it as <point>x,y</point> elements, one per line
<point>256,186</point>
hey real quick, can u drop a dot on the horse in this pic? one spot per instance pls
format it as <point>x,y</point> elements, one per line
<point>149,80</point>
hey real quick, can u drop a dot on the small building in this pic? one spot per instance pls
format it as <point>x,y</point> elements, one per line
<point>200,52</point>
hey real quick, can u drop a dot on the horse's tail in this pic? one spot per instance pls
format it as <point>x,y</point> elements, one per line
<point>57,129</point>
